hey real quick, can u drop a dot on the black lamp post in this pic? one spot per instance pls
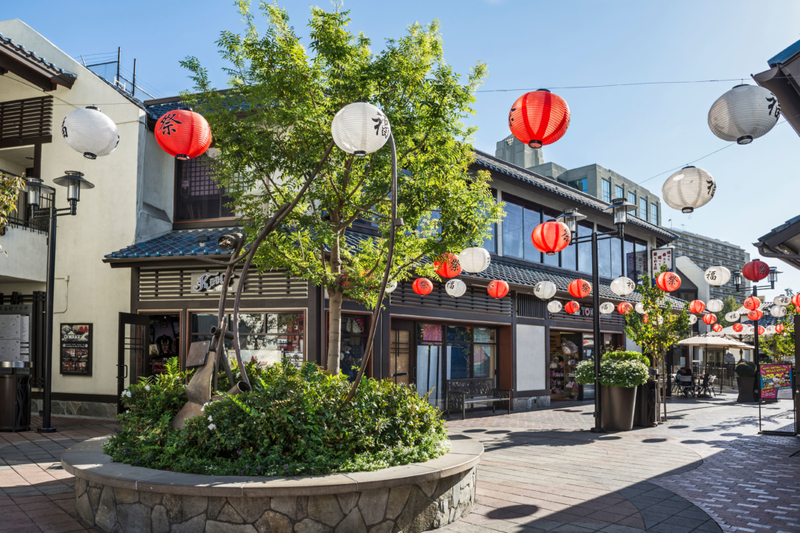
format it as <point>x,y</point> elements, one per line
<point>772,278</point>
<point>619,208</point>
<point>74,182</point>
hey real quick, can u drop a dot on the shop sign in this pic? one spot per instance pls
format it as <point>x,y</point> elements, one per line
<point>663,257</point>
<point>212,282</point>
<point>776,381</point>
<point>15,333</point>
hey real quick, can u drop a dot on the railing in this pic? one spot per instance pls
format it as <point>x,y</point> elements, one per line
<point>26,122</point>
<point>23,216</point>
<point>726,377</point>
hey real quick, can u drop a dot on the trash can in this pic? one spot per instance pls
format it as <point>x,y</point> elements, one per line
<point>15,396</point>
<point>645,413</point>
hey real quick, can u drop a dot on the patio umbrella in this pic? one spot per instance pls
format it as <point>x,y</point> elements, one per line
<point>711,342</point>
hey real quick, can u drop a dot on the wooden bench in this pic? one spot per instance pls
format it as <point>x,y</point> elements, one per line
<point>463,391</point>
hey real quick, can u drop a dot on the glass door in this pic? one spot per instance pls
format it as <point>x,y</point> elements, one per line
<point>400,363</point>
<point>429,363</point>
<point>132,337</point>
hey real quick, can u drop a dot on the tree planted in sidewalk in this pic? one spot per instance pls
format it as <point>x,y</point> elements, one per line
<point>657,330</point>
<point>272,130</point>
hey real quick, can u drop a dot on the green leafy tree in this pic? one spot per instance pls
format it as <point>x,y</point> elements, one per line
<point>658,330</point>
<point>276,155</point>
<point>783,344</point>
<point>10,187</point>
<point>728,305</point>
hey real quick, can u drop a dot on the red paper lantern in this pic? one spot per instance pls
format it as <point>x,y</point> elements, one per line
<point>551,237</point>
<point>751,302</point>
<point>538,118</point>
<point>422,286</point>
<point>697,307</point>
<point>448,266</point>
<point>761,330</point>
<point>572,307</point>
<point>796,302</point>
<point>717,327</point>
<point>624,308</point>
<point>497,288</point>
<point>646,318</point>
<point>668,281</point>
<point>755,270</point>
<point>738,328</point>
<point>580,288</point>
<point>755,314</point>
<point>183,134</point>
<point>710,318</point>
<point>780,328</point>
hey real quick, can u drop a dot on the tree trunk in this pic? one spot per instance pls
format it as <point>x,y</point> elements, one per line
<point>658,390</point>
<point>663,386</point>
<point>336,296</point>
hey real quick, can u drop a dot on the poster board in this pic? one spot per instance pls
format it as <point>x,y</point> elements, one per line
<point>76,349</point>
<point>15,334</point>
<point>776,381</point>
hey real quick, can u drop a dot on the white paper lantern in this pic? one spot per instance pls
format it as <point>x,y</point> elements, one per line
<point>90,132</point>
<point>782,300</point>
<point>360,128</point>
<point>770,330</point>
<point>688,189</point>
<point>692,319</point>
<point>778,311</point>
<point>455,288</point>
<point>714,306</point>
<point>733,316</point>
<point>639,308</point>
<point>606,308</point>
<point>554,306</point>
<point>391,287</point>
<point>659,320</point>
<point>718,275</point>
<point>744,113</point>
<point>474,259</point>
<point>544,290</point>
<point>622,286</point>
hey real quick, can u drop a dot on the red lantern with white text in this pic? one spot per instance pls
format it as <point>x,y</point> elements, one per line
<point>422,286</point>
<point>780,328</point>
<point>497,288</point>
<point>755,270</point>
<point>183,134</point>
<point>580,288</point>
<point>796,302</point>
<point>751,302</point>
<point>710,318</point>
<point>668,281</point>
<point>572,307</point>
<point>448,266</point>
<point>738,328</point>
<point>624,308</point>
<point>697,307</point>
<point>755,314</point>
<point>717,328</point>
<point>538,118</point>
<point>551,237</point>
<point>761,330</point>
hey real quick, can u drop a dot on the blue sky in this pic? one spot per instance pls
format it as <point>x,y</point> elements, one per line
<point>638,132</point>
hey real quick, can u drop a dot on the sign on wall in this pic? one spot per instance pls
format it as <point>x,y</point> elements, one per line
<point>15,333</point>
<point>663,257</point>
<point>212,282</point>
<point>76,349</point>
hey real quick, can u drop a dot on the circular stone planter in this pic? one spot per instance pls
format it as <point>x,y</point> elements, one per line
<point>416,497</point>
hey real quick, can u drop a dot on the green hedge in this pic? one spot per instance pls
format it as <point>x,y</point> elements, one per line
<point>617,369</point>
<point>292,423</point>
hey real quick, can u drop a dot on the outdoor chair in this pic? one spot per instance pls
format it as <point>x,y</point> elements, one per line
<point>708,385</point>
<point>686,384</point>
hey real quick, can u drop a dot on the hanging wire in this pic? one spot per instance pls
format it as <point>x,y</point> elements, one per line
<point>606,85</point>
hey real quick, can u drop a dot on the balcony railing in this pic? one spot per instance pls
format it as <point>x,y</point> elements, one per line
<point>23,216</point>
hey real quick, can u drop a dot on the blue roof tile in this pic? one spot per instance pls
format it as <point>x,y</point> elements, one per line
<point>178,242</point>
<point>32,55</point>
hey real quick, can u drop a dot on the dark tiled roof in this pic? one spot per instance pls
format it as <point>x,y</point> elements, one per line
<point>155,111</point>
<point>177,243</point>
<point>498,165</point>
<point>30,55</point>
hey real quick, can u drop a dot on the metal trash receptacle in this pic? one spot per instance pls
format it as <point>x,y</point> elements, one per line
<point>645,412</point>
<point>15,396</point>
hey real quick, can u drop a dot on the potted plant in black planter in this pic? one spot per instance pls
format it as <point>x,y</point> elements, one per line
<point>746,380</point>
<point>621,373</point>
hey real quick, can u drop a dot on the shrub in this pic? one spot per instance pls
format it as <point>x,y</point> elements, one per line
<point>617,369</point>
<point>625,355</point>
<point>745,369</point>
<point>293,422</point>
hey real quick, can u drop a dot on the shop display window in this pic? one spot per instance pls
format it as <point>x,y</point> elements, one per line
<point>471,352</point>
<point>266,337</point>
<point>354,343</point>
<point>565,352</point>
<point>164,343</point>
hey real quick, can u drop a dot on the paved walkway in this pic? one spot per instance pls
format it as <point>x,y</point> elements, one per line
<point>707,470</point>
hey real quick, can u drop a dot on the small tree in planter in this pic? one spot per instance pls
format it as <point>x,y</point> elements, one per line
<point>620,373</point>
<point>658,330</point>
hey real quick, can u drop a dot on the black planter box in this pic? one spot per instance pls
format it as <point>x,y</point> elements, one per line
<point>747,385</point>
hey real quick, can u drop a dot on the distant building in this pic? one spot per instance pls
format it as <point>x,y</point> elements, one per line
<point>706,252</point>
<point>598,181</point>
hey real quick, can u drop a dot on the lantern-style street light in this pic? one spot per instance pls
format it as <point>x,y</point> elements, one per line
<point>74,182</point>
<point>619,208</point>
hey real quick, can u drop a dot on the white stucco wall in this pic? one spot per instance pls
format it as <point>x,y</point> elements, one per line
<point>106,215</point>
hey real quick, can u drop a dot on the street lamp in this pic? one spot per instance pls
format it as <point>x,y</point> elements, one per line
<point>74,182</point>
<point>619,208</point>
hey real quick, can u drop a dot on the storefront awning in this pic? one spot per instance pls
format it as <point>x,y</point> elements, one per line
<point>173,245</point>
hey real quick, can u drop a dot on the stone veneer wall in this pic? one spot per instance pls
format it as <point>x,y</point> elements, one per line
<point>64,408</point>
<point>407,508</point>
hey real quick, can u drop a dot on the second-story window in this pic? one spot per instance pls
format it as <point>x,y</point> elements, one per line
<point>197,195</point>
<point>618,192</point>
<point>606,190</point>
<point>643,208</point>
<point>632,200</point>
<point>581,184</point>
<point>518,225</point>
<point>654,214</point>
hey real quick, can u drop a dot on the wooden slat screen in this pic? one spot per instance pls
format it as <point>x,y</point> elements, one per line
<point>176,284</point>
<point>475,300</point>
<point>531,306</point>
<point>26,121</point>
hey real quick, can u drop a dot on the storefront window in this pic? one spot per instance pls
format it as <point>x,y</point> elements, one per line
<point>265,337</point>
<point>354,343</point>
<point>471,352</point>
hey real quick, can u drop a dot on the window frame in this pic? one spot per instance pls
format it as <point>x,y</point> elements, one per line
<point>223,199</point>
